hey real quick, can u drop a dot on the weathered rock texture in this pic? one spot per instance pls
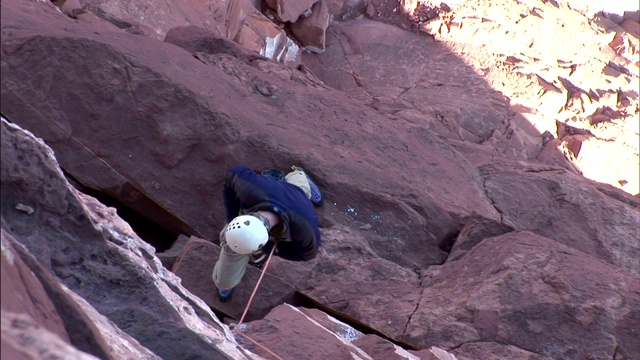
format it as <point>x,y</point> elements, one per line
<point>79,244</point>
<point>235,20</point>
<point>565,74</point>
<point>460,218</point>
<point>513,288</point>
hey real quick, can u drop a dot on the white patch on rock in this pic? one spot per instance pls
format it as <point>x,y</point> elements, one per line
<point>7,253</point>
<point>404,353</point>
<point>441,354</point>
<point>345,338</point>
<point>25,208</point>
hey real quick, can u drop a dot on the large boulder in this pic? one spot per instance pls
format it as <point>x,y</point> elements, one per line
<point>311,30</point>
<point>95,254</point>
<point>238,21</point>
<point>290,11</point>
<point>36,304</point>
<point>596,219</point>
<point>325,338</point>
<point>532,292</point>
<point>349,278</point>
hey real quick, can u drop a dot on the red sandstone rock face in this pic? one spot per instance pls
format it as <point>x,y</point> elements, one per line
<point>447,231</point>
<point>503,75</point>
<point>511,287</point>
<point>65,250</point>
<point>23,294</point>
<point>180,126</point>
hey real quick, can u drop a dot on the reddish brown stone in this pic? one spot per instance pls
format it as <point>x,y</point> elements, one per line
<point>195,265</point>
<point>424,141</point>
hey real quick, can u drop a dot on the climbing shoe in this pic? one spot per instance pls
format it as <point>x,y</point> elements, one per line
<point>317,197</point>
<point>276,174</point>
<point>225,294</point>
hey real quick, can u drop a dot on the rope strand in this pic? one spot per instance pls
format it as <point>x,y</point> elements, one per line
<point>264,270</point>
<point>263,348</point>
<point>237,331</point>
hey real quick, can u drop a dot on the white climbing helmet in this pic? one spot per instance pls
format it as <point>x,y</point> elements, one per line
<point>246,234</point>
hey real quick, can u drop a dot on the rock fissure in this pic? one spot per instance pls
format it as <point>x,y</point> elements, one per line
<point>493,203</point>
<point>415,310</point>
<point>150,111</point>
<point>544,170</point>
<point>161,237</point>
<point>305,301</point>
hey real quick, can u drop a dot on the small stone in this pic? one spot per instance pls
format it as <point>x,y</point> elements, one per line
<point>25,208</point>
<point>370,11</point>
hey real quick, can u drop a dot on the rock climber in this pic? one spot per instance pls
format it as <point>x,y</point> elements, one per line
<point>265,210</point>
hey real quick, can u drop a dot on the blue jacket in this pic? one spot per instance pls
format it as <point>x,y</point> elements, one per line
<point>246,191</point>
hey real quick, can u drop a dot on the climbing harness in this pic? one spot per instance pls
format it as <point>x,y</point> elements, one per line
<point>235,328</point>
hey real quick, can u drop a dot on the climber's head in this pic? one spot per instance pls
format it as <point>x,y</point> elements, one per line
<point>247,233</point>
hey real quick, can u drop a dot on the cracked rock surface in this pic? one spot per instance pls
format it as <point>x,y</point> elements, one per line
<point>465,215</point>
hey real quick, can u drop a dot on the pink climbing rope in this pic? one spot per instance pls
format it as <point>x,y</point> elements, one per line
<point>237,331</point>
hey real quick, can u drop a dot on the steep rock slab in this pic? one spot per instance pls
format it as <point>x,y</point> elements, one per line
<point>97,255</point>
<point>569,209</point>
<point>32,295</point>
<point>22,292</point>
<point>19,331</point>
<point>325,338</point>
<point>155,19</point>
<point>238,21</point>
<point>282,325</point>
<point>157,128</point>
<point>492,350</point>
<point>585,75</point>
<point>531,292</point>
<point>418,81</point>
<point>374,345</point>
<point>348,279</point>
